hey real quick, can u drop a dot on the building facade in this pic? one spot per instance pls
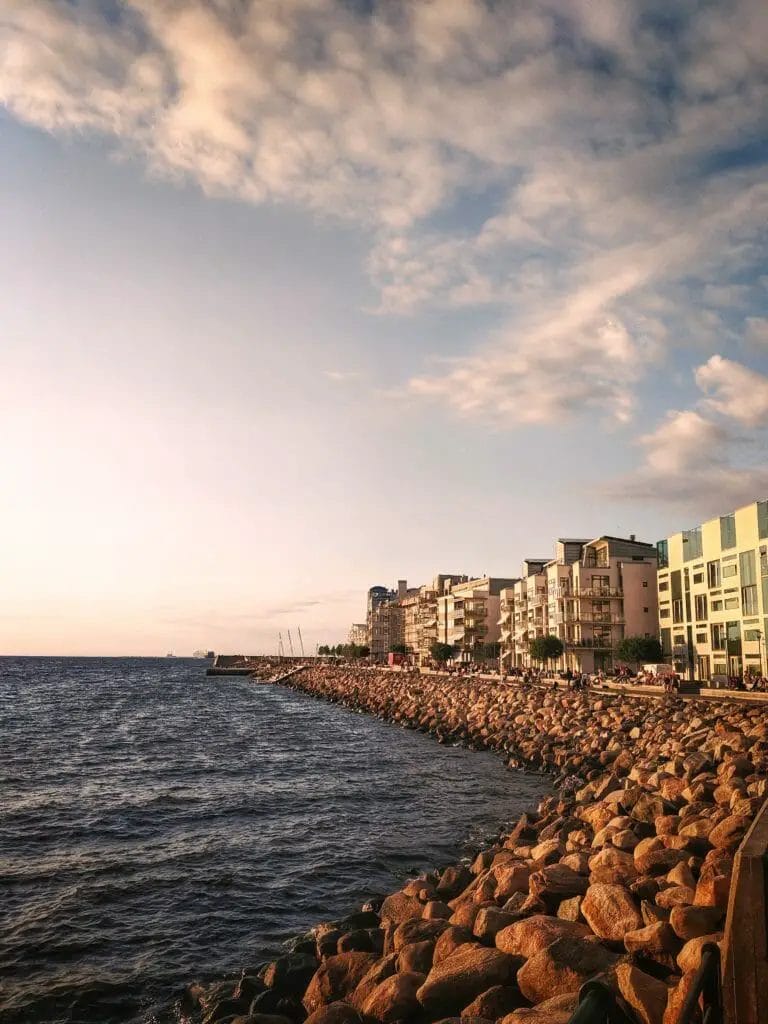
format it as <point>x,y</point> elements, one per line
<point>713,595</point>
<point>591,595</point>
<point>468,614</point>
<point>358,634</point>
<point>377,620</point>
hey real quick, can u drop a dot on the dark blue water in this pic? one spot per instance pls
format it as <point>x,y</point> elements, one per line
<point>157,826</point>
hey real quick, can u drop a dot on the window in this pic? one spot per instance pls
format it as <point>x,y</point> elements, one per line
<point>645,610</point>
<point>701,607</point>
<point>698,577</point>
<point>664,613</point>
<point>677,611</point>
<point>728,531</point>
<point>713,574</point>
<point>753,634</point>
<point>664,586</point>
<point>749,600</point>
<point>679,640</point>
<point>747,568</point>
<point>762,519</point>
<point>662,553</point>
<point>718,636</point>
<point>702,638</point>
<point>729,570</point>
<point>645,583</point>
<point>692,544</point>
<point>717,606</point>
<point>763,560</point>
<point>731,602</point>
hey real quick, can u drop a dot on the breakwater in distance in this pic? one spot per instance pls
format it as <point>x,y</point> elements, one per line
<point>621,874</point>
<point>157,826</point>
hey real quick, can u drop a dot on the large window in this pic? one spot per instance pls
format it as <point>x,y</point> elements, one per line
<point>762,519</point>
<point>749,604</point>
<point>701,607</point>
<point>718,636</point>
<point>677,611</point>
<point>713,574</point>
<point>691,544</point>
<point>728,531</point>
<point>662,552</point>
<point>729,570</point>
<point>664,586</point>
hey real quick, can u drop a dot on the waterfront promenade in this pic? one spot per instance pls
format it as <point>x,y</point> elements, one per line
<point>623,874</point>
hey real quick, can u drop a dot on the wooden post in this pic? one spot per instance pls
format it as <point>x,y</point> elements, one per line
<point>745,943</point>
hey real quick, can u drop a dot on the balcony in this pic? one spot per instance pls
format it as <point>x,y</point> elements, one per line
<point>598,593</point>
<point>597,619</point>
<point>591,643</point>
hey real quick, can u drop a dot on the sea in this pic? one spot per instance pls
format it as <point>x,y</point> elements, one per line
<point>159,826</point>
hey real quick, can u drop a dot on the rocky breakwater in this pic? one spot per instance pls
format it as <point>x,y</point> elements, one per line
<point>622,873</point>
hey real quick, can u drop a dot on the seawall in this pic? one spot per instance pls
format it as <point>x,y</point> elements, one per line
<point>623,874</point>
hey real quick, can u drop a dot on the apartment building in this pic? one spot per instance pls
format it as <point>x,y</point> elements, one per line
<point>377,620</point>
<point>468,613</point>
<point>591,595</point>
<point>358,634</point>
<point>713,595</point>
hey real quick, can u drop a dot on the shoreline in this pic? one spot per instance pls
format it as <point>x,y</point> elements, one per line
<point>622,873</point>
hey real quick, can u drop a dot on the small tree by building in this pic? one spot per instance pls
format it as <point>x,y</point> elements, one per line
<point>637,649</point>
<point>441,652</point>
<point>489,651</point>
<point>546,648</point>
<point>398,649</point>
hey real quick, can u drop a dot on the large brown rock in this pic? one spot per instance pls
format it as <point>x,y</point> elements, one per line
<point>398,908</point>
<point>468,972</point>
<point>691,922</point>
<point>510,879</point>
<point>416,957</point>
<point>449,941</point>
<point>646,995</point>
<point>689,957</point>
<point>494,1003</point>
<point>381,970</point>
<point>337,978</point>
<point>394,998</point>
<point>334,1013</point>
<point>615,867</point>
<point>490,921</point>
<point>417,931</point>
<point>562,966</point>
<point>676,997</point>
<point>729,832</point>
<point>525,938</point>
<point>556,882</point>
<point>658,862</point>
<point>610,911</point>
<point>653,941</point>
<point>558,1010</point>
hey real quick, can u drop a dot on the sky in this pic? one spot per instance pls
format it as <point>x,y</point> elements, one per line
<point>302,296</point>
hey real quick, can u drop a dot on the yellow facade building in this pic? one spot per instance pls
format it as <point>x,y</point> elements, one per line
<point>713,595</point>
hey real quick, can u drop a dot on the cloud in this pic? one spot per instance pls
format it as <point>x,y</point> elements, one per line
<point>735,390</point>
<point>586,169</point>
<point>341,375</point>
<point>757,330</point>
<point>691,458</point>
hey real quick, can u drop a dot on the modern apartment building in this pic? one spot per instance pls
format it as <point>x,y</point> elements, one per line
<point>358,634</point>
<point>713,595</point>
<point>377,620</point>
<point>591,595</point>
<point>468,613</point>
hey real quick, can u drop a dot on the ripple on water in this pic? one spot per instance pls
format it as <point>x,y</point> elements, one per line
<point>159,825</point>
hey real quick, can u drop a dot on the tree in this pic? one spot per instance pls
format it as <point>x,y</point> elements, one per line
<point>364,651</point>
<point>490,652</point>
<point>323,649</point>
<point>546,648</point>
<point>398,649</point>
<point>441,652</point>
<point>635,649</point>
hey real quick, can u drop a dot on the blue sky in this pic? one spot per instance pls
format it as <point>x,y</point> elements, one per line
<point>304,296</point>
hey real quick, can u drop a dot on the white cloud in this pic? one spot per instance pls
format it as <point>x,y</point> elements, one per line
<point>341,375</point>
<point>757,330</point>
<point>691,458</point>
<point>734,390</point>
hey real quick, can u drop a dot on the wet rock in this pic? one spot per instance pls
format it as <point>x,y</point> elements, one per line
<point>336,978</point>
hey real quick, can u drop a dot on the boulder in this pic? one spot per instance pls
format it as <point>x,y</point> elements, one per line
<point>646,995</point>
<point>675,999</point>
<point>610,911</point>
<point>556,882</point>
<point>689,957</point>
<point>398,908</point>
<point>653,941</point>
<point>558,1010</point>
<point>495,1002</point>
<point>416,957</point>
<point>511,879</point>
<point>562,966</point>
<point>450,940</point>
<point>290,973</point>
<point>381,970</point>
<point>525,938</point>
<point>334,1013</point>
<point>394,998</point>
<point>417,931</point>
<point>436,910</point>
<point>730,831</point>
<point>468,972</point>
<point>453,881</point>
<point>336,978</point>
<point>490,921</point>
<point>692,922</point>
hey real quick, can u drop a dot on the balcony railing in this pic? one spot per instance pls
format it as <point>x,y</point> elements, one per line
<point>591,643</point>
<point>598,592</point>
<point>597,619</point>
